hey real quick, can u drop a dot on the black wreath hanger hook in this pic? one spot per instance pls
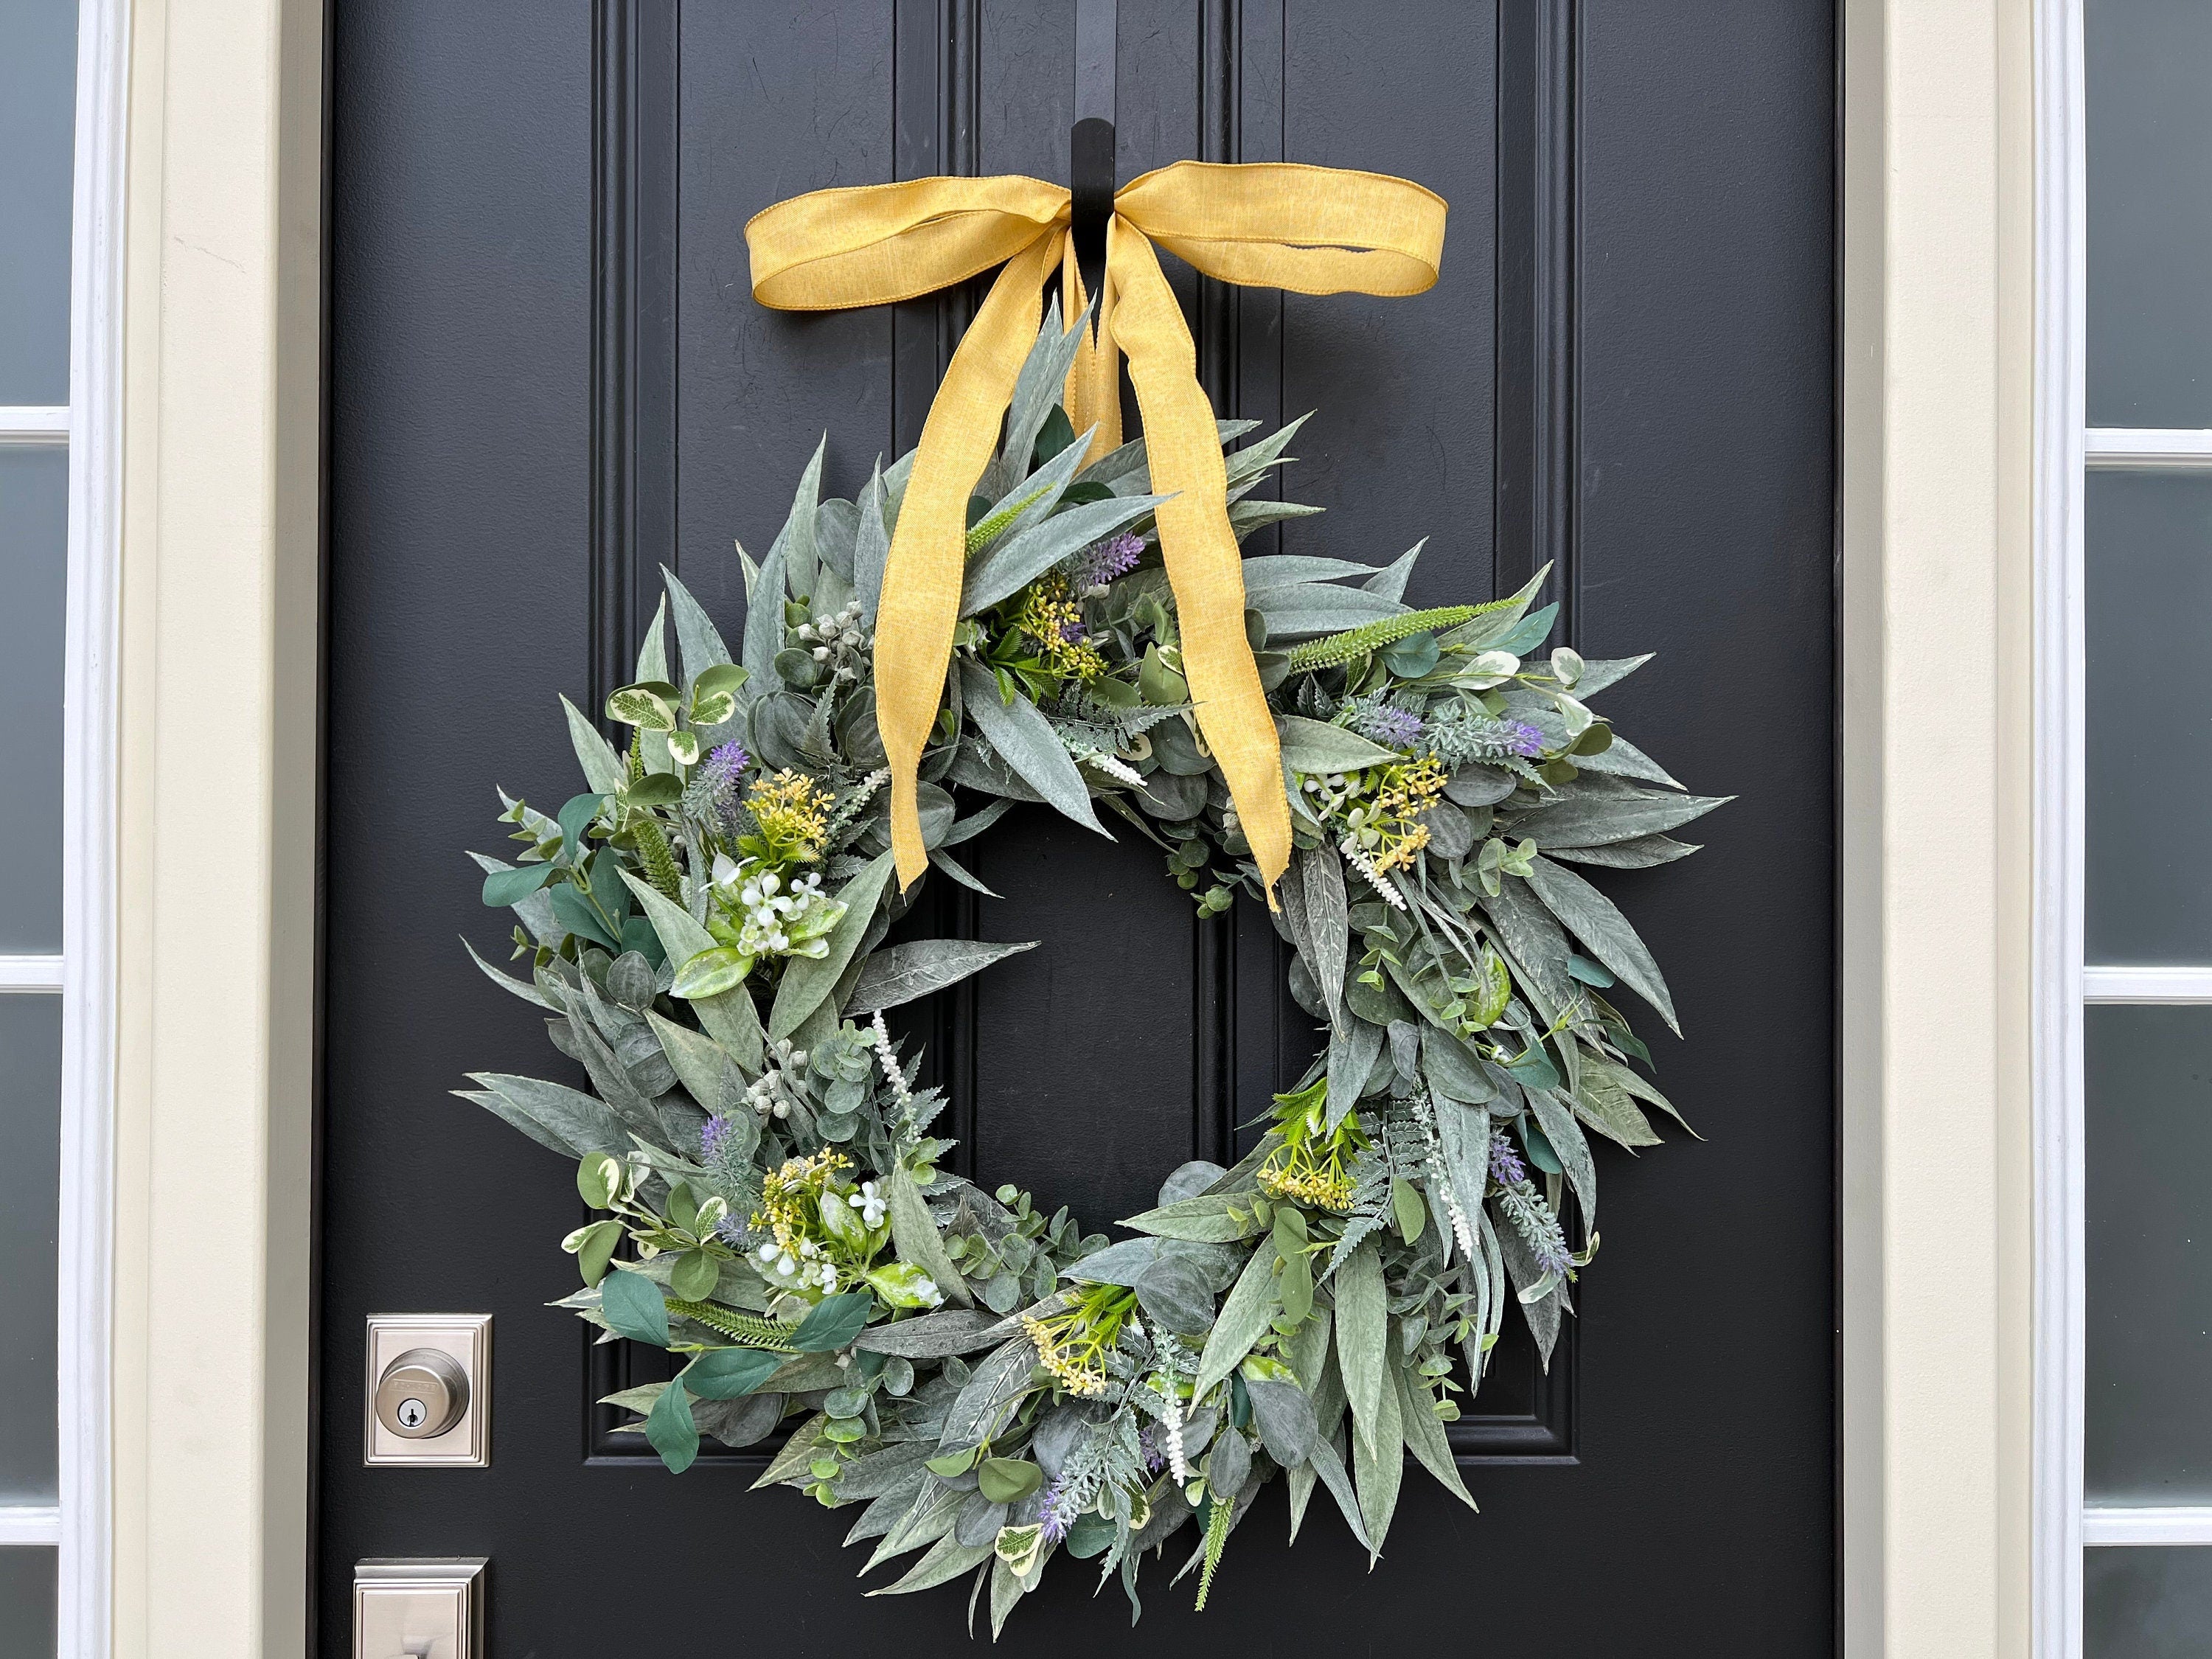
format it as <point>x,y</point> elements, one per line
<point>1091,140</point>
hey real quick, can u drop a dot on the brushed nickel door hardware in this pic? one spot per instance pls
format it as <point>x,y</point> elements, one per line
<point>421,1394</point>
<point>426,1390</point>
<point>431,1608</point>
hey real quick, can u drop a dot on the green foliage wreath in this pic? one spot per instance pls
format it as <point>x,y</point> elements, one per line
<point>706,925</point>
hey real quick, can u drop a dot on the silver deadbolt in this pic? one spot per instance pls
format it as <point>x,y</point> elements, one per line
<point>426,1391</point>
<point>421,1394</point>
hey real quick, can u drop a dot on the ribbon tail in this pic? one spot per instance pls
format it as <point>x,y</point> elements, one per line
<point>1204,566</point>
<point>1092,396</point>
<point>927,559</point>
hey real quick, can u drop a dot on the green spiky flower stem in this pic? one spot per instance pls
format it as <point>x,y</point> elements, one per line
<point>1216,1537</point>
<point>1341,648</point>
<point>987,531</point>
<point>753,1332</point>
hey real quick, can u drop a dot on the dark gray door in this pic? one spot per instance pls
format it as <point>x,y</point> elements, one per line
<point>548,377</point>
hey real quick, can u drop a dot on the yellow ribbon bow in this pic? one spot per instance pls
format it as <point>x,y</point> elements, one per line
<point>1312,230</point>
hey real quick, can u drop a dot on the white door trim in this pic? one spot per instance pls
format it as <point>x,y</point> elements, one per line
<point>84,1526</point>
<point>2060,456</point>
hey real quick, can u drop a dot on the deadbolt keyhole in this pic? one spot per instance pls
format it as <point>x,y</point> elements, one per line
<point>421,1394</point>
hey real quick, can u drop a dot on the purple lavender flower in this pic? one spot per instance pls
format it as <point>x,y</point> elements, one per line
<point>715,1139</point>
<point>725,763</point>
<point>1380,721</point>
<point>1103,561</point>
<point>1059,1512</point>
<point>1524,739</point>
<point>1148,1448</point>
<point>716,786</point>
<point>1505,1165</point>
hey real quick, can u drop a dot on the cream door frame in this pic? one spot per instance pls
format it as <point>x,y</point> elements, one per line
<point>217,787</point>
<point>216,796</point>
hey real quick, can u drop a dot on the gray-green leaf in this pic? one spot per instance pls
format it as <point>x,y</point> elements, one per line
<point>1362,1324</point>
<point>1597,922</point>
<point>1242,1320</point>
<point>905,972</point>
<point>808,981</point>
<point>1318,747</point>
<point>1024,739</point>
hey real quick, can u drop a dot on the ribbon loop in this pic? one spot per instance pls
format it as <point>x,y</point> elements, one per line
<point>1312,230</point>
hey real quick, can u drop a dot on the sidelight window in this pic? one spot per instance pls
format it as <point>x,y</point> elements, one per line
<point>2124,751</point>
<point>60,134</point>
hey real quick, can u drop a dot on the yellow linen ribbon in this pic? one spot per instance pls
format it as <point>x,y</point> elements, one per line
<point>1312,230</point>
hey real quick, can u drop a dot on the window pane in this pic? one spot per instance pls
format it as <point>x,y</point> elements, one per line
<point>30,1150</point>
<point>2146,1603</point>
<point>27,1603</point>
<point>2149,212</point>
<point>2149,638</point>
<point>2149,1158</point>
<point>38,102</point>
<point>34,579</point>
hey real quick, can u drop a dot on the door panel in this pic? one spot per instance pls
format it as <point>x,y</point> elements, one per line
<point>549,378</point>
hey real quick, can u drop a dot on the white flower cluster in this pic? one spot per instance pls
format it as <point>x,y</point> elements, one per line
<point>869,1202</point>
<point>773,908</point>
<point>805,1269</point>
<point>838,641</point>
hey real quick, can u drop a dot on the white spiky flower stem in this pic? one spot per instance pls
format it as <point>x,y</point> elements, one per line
<point>1425,1116</point>
<point>1461,1231</point>
<point>1178,1466</point>
<point>1385,889</point>
<point>887,1056</point>
<point>1113,766</point>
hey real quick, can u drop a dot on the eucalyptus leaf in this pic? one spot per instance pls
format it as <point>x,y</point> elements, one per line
<point>1024,739</point>
<point>871,546</point>
<point>1241,1323</point>
<point>906,972</point>
<point>1378,1461</point>
<point>1308,610</point>
<point>669,1427</point>
<point>1316,746</point>
<point>1425,1436</point>
<point>1285,1417</point>
<point>1597,922</point>
<point>808,981</point>
<point>833,1323</point>
<point>915,1237</point>
<point>553,1115</point>
<point>1587,818</point>
<point>1361,1331</point>
<point>1638,852</point>
<point>932,1336</point>
<point>1207,1219</point>
<point>635,1308</point>
<point>602,769</point>
<point>1013,561</point>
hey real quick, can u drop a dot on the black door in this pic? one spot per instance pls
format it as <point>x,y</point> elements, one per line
<point>549,378</point>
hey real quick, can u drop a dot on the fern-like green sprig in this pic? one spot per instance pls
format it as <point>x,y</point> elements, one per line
<point>1217,1536</point>
<point>1338,650</point>
<point>747,1328</point>
<point>845,818</point>
<point>660,861</point>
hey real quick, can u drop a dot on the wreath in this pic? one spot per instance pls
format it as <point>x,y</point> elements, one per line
<point>706,924</point>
